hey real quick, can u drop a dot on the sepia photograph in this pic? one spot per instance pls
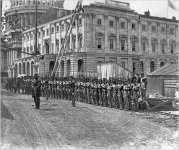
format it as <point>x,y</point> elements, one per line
<point>89,74</point>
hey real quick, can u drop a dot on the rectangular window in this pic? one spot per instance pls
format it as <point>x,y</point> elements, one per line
<point>143,27</point>
<point>123,45</point>
<point>99,43</point>
<point>163,30</point>
<point>57,28</point>
<point>153,47</point>
<point>123,64</point>
<point>111,43</point>
<point>122,24</point>
<point>99,22</point>
<point>62,27</point>
<point>163,48</point>
<point>52,30</point>
<point>143,47</point>
<point>111,23</point>
<point>172,48</point>
<point>153,28</point>
<point>172,31</point>
<point>133,26</point>
<point>133,45</point>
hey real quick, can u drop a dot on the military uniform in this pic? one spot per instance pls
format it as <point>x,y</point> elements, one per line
<point>36,86</point>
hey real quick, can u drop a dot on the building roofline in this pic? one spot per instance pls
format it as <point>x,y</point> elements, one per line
<point>158,18</point>
<point>53,21</point>
<point>109,7</point>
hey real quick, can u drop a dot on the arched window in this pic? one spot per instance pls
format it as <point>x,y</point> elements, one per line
<point>32,68</point>
<point>99,40</point>
<point>80,38</point>
<point>144,42</point>
<point>62,69</point>
<point>74,42</point>
<point>20,68</point>
<point>141,66</point>
<point>152,66</point>
<point>154,44</point>
<point>51,66</point>
<point>80,65</point>
<point>123,42</point>
<point>163,45</point>
<point>15,70</point>
<point>68,68</point>
<point>112,40</point>
<point>162,64</point>
<point>134,43</point>
<point>23,66</point>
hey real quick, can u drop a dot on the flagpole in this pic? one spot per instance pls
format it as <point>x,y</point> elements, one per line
<point>167,8</point>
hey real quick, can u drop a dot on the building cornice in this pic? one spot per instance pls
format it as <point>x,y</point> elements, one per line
<point>158,18</point>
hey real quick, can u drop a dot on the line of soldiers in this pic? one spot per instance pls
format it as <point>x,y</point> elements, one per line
<point>108,93</point>
<point>115,93</point>
<point>19,85</point>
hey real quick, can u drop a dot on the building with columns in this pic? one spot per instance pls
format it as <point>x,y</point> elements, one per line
<point>109,31</point>
<point>21,16</point>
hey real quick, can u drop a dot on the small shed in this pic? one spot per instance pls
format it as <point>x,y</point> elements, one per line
<point>166,77</point>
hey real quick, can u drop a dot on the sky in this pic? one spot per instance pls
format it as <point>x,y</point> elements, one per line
<point>156,7</point>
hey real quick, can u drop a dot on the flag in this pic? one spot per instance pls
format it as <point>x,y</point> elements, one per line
<point>171,5</point>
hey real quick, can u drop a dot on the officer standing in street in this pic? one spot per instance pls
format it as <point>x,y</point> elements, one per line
<point>36,91</point>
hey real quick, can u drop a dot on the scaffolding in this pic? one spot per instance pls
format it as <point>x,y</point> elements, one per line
<point>66,38</point>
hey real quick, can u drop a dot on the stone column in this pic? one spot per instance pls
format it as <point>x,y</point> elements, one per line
<point>41,42</point>
<point>117,34</point>
<point>15,54</point>
<point>149,37</point>
<point>77,33</point>
<point>158,63</point>
<point>158,38</point>
<point>55,42</point>
<point>128,35</point>
<point>139,37</point>
<point>106,27</point>
<point>91,18</point>
<point>11,57</point>
<point>60,36</point>
<point>23,44</point>
<point>71,43</point>
<point>7,58</point>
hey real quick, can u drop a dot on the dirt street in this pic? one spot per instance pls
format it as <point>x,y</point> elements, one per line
<point>58,125</point>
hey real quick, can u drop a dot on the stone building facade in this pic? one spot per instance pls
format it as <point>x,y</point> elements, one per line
<point>20,17</point>
<point>103,32</point>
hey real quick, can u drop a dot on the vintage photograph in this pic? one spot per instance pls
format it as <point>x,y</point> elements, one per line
<point>89,74</point>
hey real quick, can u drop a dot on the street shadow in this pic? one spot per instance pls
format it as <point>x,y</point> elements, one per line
<point>47,109</point>
<point>5,112</point>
